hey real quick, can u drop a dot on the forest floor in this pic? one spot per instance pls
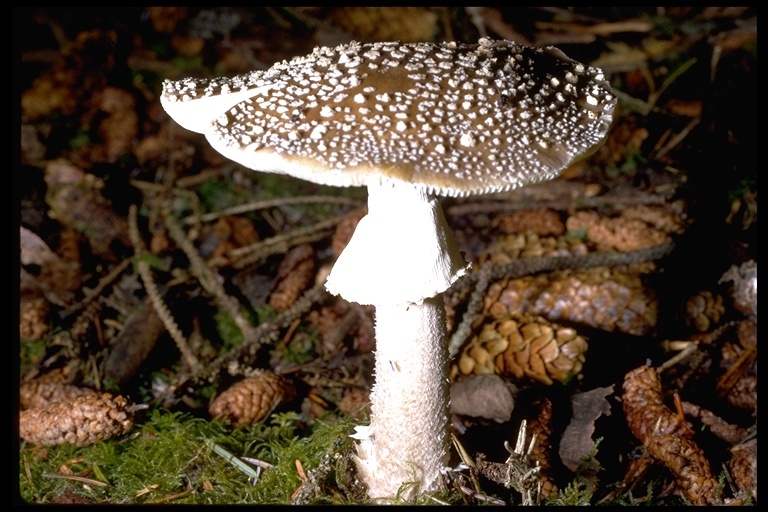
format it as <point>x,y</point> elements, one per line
<point>157,277</point>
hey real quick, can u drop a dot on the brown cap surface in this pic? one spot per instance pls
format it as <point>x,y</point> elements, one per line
<point>454,118</point>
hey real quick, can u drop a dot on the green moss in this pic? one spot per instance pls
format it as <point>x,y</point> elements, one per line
<point>31,353</point>
<point>169,458</point>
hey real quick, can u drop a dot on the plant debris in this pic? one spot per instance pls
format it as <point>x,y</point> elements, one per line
<point>156,275</point>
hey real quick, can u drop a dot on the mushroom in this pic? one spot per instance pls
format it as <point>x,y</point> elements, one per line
<point>411,122</point>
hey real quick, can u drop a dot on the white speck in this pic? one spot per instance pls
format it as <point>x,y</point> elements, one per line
<point>326,111</point>
<point>467,140</point>
<point>592,100</point>
<point>359,98</point>
<point>318,132</point>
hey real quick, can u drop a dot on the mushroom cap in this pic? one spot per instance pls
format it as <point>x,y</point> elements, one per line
<point>456,119</point>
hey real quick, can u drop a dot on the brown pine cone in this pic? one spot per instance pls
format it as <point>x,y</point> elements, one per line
<point>523,346</point>
<point>407,24</point>
<point>704,310</point>
<point>541,426</point>
<point>748,333</point>
<point>34,321</point>
<point>743,393</point>
<point>739,382</point>
<point>295,275</point>
<point>667,218</point>
<point>39,393</point>
<point>542,221</point>
<point>688,464</point>
<point>345,229</point>
<point>644,408</point>
<point>252,399</point>
<point>620,233</point>
<point>743,466</point>
<point>82,421</point>
<point>514,246</point>
<point>598,297</point>
<point>743,286</point>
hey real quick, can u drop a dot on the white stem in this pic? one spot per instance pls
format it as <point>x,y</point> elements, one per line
<point>409,441</point>
<point>401,252</point>
<point>401,258</point>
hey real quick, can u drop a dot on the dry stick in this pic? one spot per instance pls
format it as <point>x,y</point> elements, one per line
<point>266,332</point>
<point>273,203</point>
<point>334,338</point>
<point>75,478</point>
<point>473,309</point>
<point>281,243</point>
<point>154,295</point>
<point>96,292</point>
<point>477,282</point>
<point>677,139</point>
<point>165,315</point>
<point>155,189</point>
<point>555,204</point>
<point>207,277</point>
<point>728,432</point>
<point>529,266</point>
<point>709,339</point>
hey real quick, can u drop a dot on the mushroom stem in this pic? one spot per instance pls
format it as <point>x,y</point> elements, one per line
<point>408,441</point>
<point>401,252</point>
<point>401,258</point>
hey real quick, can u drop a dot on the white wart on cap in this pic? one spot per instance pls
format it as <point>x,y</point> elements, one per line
<point>455,119</point>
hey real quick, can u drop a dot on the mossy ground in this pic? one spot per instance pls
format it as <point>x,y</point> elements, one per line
<point>169,458</point>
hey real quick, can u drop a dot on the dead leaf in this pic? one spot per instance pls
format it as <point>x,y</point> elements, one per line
<point>483,396</point>
<point>577,441</point>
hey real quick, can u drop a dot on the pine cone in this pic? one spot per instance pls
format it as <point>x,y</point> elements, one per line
<point>523,346</point>
<point>40,393</point>
<point>743,286</point>
<point>542,221</point>
<point>743,466</point>
<point>345,229</point>
<point>252,399</point>
<point>704,310</point>
<point>644,408</point>
<point>82,421</point>
<point>739,382</point>
<point>620,233</point>
<point>34,322</point>
<point>508,248</point>
<point>599,297</point>
<point>294,275</point>
<point>748,333</point>
<point>667,218</point>
<point>667,437</point>
<point>541,426</point>
<point>688,464</point>
<point>407,24</point>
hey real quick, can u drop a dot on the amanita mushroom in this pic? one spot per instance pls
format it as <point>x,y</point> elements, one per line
<point>411,122</point>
